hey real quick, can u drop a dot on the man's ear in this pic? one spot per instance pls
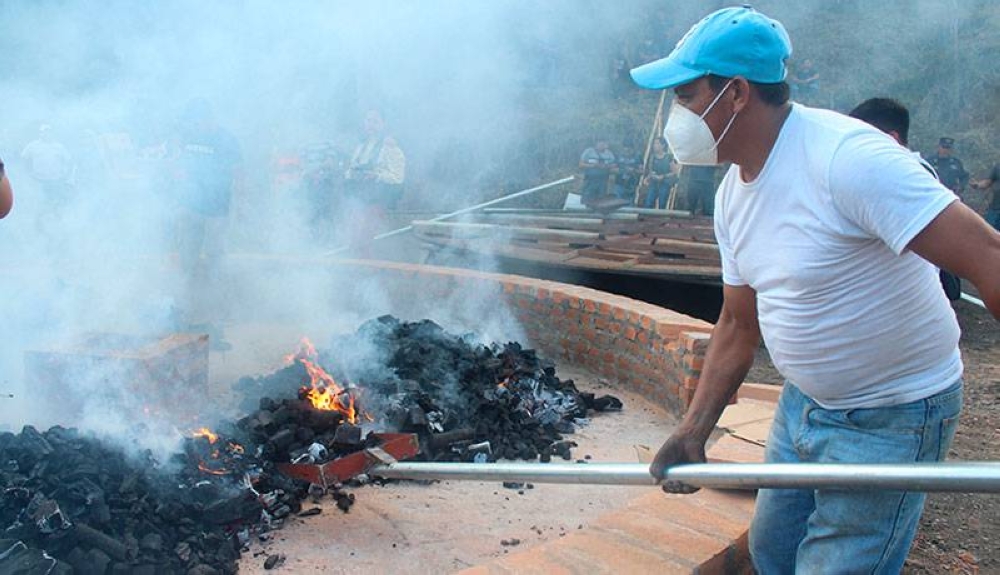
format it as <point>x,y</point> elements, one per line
<point>741,93</point>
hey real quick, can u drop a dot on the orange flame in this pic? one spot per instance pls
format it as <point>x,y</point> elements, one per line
<point>323,392</point>
<point>306,350</point>
<point>206,433</point>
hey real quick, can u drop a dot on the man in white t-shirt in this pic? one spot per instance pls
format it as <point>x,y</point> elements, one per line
<point>829,233</point>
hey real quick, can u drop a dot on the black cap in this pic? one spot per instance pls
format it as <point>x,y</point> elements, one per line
<point>946,142</point>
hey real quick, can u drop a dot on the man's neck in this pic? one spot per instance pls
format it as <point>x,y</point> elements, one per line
<point>758,138</point>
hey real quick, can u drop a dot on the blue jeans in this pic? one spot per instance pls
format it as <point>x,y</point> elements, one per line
<point>657,191</point>
<point>624,192</point>
<point>993,218</point>
<point>846,532</point>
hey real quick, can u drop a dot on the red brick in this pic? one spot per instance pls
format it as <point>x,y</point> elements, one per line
<point>608,552</point>
<point>697,362</point>
<point>536,561</point>
<point>673,534</point>
<point>760,392</point>
<point>736,450</point>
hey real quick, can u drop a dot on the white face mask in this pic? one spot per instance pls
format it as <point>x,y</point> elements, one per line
<point>689,137</point>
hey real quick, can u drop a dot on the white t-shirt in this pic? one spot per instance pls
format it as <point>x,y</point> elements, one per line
<point>848,315</point>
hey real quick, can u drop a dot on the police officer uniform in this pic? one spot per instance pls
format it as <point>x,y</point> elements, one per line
<point>949,168</point>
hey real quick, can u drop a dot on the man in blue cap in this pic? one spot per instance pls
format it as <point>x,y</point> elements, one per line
<point>829,232</point>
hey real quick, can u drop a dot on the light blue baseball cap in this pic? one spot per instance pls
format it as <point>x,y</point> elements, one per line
<point>730,42</point>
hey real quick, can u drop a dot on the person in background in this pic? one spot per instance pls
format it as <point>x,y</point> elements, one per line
<point>993,208</point>
<point>620,80</point>
<point>804,80</point>
<point>596,163</point>
<point>662,176</point>
<point>949,169</point>
<point>627,175</point>
<point>698,183</point>
<point>376,171</point>
<point>893,118</point>
<point>49,163</point>
<point>6,193</point>
<point>210,170</point>
<point>829,233</point>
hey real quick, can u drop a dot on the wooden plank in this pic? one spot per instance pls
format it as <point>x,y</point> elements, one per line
<point>650,212</point>
<point>662,246</point>
<point>575,213</point>
<point>473,230</point>
<point>552,222</point>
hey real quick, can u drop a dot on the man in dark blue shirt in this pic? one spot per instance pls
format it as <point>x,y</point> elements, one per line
<point>209,166</point>
<point>629,167</point>
<point>949,169</point>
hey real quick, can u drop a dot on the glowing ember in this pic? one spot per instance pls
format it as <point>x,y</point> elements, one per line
<point>204,467</point>
<point>216,458</point>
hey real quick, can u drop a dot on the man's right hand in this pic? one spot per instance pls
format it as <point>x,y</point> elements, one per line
<point>678,448</point>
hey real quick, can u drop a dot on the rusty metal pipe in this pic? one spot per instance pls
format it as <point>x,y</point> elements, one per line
<point>964,477</point>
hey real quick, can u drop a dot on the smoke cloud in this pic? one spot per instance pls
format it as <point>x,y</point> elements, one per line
<point>106,90</point>
<point>483,98</point>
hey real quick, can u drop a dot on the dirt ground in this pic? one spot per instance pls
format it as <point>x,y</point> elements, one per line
<point>958,532</point>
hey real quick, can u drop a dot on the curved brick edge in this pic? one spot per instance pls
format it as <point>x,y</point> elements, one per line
<point>646,349</point>
<point>650,350</point>
<point>701,534</point>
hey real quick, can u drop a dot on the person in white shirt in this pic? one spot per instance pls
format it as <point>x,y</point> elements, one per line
<point>829,234</point>
<point>377,169</point>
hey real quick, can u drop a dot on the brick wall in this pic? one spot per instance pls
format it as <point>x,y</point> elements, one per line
<point>650,350</point>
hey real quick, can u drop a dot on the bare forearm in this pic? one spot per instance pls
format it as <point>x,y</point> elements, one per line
<point>961,242</point>
<point>6,196</point>
<point>730,356</point>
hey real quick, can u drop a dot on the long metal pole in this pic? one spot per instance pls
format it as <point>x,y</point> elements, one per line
<point>508,197</point>
<point>973,300</point>
<point>965,477</point>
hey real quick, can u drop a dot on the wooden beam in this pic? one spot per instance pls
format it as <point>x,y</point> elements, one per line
<point>501,233</point>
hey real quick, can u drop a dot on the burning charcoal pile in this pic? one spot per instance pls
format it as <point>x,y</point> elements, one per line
<point>467,402</point>
<point>72,503</point>
<point>94,509</point>
<point>473,402</point>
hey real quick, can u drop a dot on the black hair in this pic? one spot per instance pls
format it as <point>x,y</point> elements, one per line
<point>886,114</point>
<point>776,94</point>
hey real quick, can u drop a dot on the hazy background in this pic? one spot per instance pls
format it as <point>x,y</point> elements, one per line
<point>485,98</point>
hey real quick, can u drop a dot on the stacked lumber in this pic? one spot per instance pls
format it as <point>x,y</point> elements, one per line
<point>662,243</point>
